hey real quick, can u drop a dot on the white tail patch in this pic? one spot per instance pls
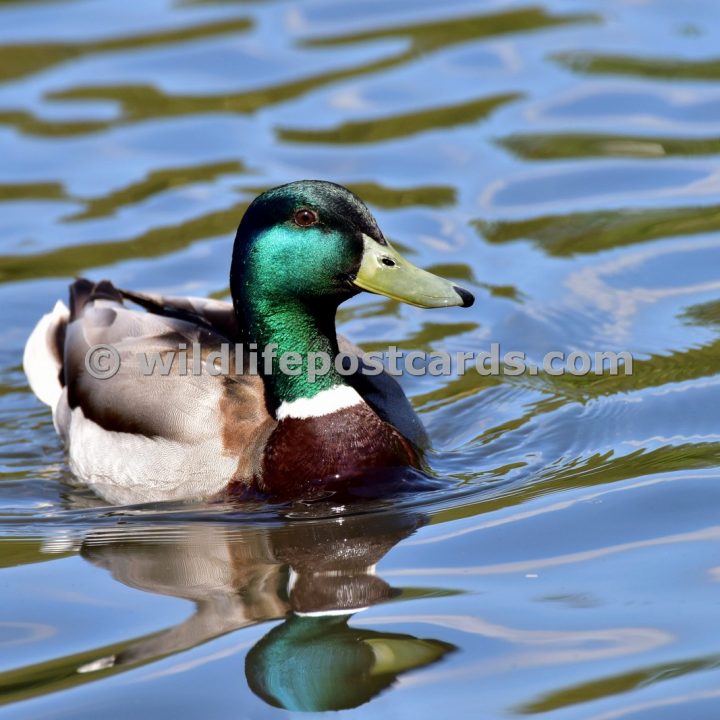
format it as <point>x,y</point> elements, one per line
<point>325,402</point>
<point>40,363</point>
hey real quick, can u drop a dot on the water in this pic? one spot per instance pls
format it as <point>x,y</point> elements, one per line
<point>560,159</point>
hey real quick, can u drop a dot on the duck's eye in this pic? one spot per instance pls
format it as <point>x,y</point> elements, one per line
<point>387,261</point>
<point>305,217</point>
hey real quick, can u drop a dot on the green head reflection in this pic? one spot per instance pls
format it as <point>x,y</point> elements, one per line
<point>322,663</point>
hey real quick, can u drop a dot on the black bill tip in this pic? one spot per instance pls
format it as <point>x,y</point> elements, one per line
<point>467,297</point>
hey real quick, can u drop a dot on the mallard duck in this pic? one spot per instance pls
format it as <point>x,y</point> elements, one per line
<point>301,249</point>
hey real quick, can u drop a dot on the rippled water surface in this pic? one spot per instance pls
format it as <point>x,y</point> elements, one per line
<point>562,160</point>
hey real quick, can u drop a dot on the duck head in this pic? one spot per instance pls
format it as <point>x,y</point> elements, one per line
<point>316,242</point>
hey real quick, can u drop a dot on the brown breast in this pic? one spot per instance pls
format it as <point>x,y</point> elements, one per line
<point>304,454</point>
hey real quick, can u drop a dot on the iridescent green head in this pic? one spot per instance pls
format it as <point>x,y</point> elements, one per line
<point>302,249</point>
<point>315,242</point>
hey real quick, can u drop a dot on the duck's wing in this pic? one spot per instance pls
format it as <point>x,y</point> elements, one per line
<point>157,390</point>
<point>137,425</point>
<point>214,315</point>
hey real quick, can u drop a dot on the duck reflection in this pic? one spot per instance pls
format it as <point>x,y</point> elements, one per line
<point>313,575</point>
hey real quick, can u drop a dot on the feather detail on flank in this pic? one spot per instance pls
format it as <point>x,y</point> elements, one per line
<point>325,402</point>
